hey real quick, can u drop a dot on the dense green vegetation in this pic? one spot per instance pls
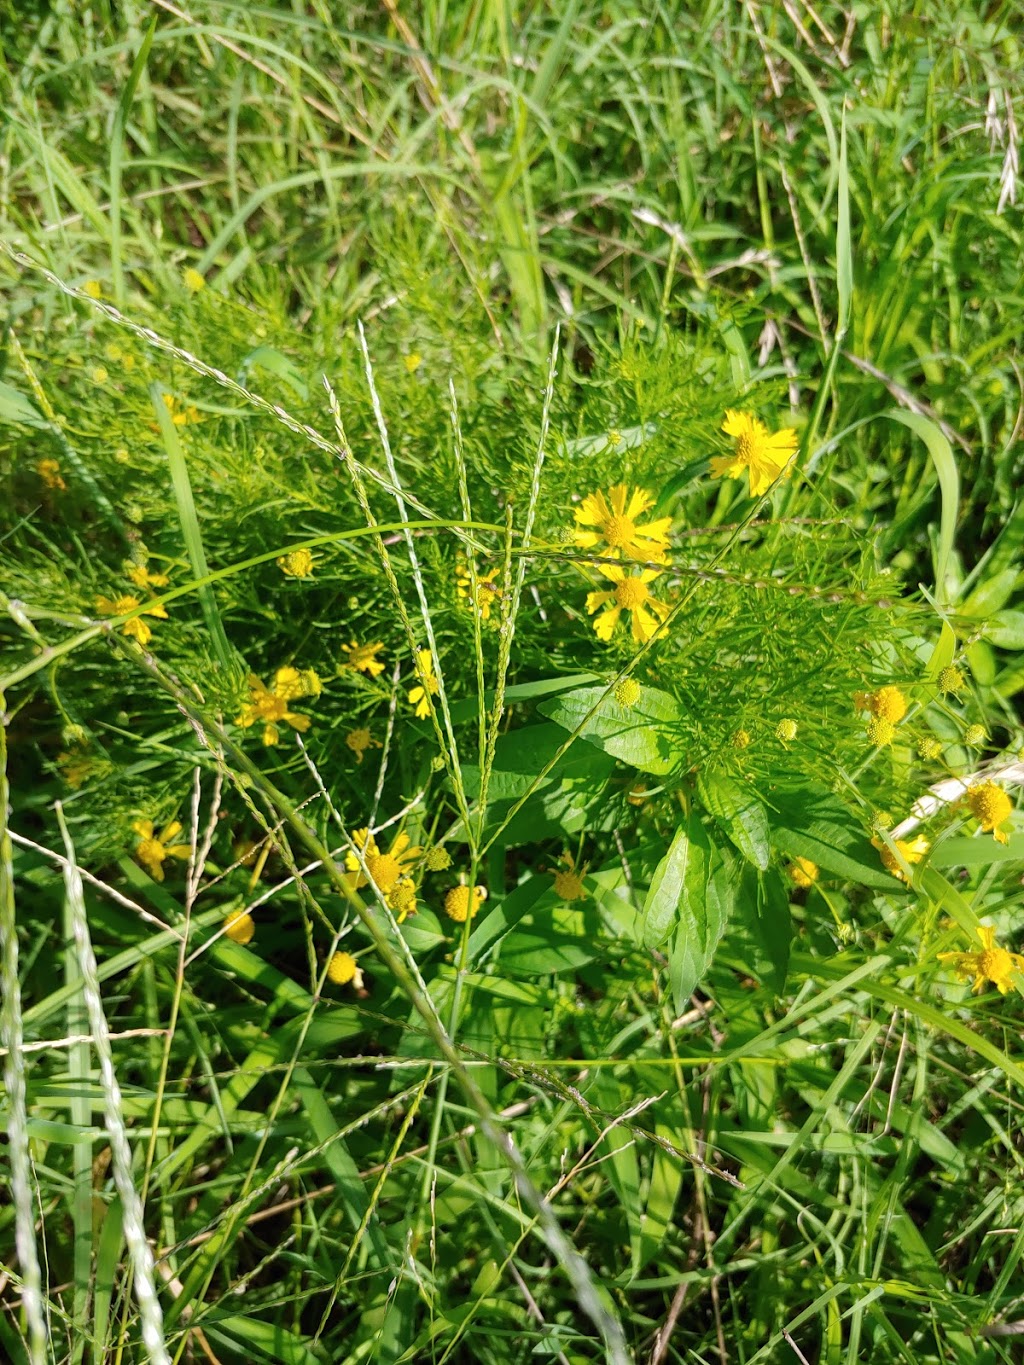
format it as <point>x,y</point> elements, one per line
<point>511,646</point>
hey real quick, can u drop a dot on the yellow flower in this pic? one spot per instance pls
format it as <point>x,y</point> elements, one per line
<point>975,735</point>
<point>629,594</point>
<point>136,628</point>
<point>462,902</point>
<point>93,288</point>
<point>154,849</point>
<point>343,968</point>
<point>427,686</point>
<point>990,806</point>
<point>359,741</point>
<point>386,870</point>
<point>76,767</point>
<point>180,415</point>
<point>991,964</point>
<point>270,705</point>
<point>413,361</point>
<point>402,898</point>
<point>99,374</point>
<point>627,693</point>
<point>613,519</point>
<point>951,679</point>
<point>437,859</point>
<point>888,703</point>
<point>363,658</point>
<point>192,280</point>
<point>930,748</point>
<point>240,927</point>
<point>880,731</point>
<point>568,881</point>
<point>49,472</point>
<point>487,592</point>
<point>802,872</point>
<point>142,578</point>
<point>786,731</point>
<point>912,850</point>
<point>296,563</point>
<point>741,739</point>
<point>763,454</point>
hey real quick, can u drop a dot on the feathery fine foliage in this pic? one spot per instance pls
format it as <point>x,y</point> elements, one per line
<point>511,645</point>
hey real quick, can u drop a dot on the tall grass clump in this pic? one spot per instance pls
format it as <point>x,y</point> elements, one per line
<point>511,635</point>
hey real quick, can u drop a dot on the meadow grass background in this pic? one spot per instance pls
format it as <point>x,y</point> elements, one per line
<point>535,251</point>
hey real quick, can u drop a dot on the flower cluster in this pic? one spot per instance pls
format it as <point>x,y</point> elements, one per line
<point>271,704</point>
<point>389,872</point>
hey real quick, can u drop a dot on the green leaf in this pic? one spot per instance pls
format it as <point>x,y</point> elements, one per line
<point>810,822</point>
<point>682,873</point>
<point>1005,629</point>
<point>644,736</point>
<point>772,926</point>
<point>949,486</point>
<point>702,915</point>
<point>15,409</point>
<point>990,596</point>
<point>560,939</point>
<point>844,250</point>
<point>738,810</point>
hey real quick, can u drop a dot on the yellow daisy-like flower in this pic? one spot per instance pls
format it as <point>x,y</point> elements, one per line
<point>296,563</point>
<point>142,578</point>
<point>359,741</point>
<point>180,414</point>
<point>763,454</point>
<point>49,472</point>
<point>463,902</point>
<point>608,523</point>
<point>487,591</point>
<point>270,704</point>
<point>240,927</point>
<point>803,873</point>
<point>402,898</point>
<point>786,731</point>
<point>136,628</point>
<point>629,594</point>
<point>363,658</point>
<point>990,806</point>
<point>568,881</point>
<point>627,693</point>
<point>427,685</point>
<point>93,288</point>
<point>343,968</point>
<point>192,280</point>
<point>951,679</point>
<point>880,731</point>
<point>154,849</point>
<point>991,964</point>
<point>888,703</point>
<point>385,870</point>
<point>913,850</point>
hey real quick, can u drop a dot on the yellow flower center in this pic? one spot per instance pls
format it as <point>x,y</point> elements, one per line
<point>151,851</point>
<point>619,531</point>
<point>569,885</point>
<point>384,869</point>
<point>996,964</point>
<point>630,593</point>
<point>269,707</point>
<point>342,968</point>
<point>989,804</point>
<point>747,448</point>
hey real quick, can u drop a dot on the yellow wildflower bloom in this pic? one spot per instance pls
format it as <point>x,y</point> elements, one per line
<point>75,767</point>
<point>359,741</point>
<point>180,414</point>
<point>413,361</point>
<point>741,739</point>
<point>463,902</point>
<point>154,849</point>
<point>142,578</point>
<point>192,280</point>
<point>880,731</point>
<point>385,870</point>
<point>613,529</point>
<point>296,563</point>
<point>427,686</point>
<point>627,693</point>
<point>568,881</point>
<point>912,850</point>
<point>240,927</point>
<point>402,898</point>
<point>951,679</point>
<point>437,859</point>
<point>990,806</point>
<point>363,658</point>
<point>136,628</point>
<point>929,748</point>
<point>343,968</point>
<point>93,288</point>
<point>975,735</point>
<point>888,703</point>
<point>763,454</point>
<point>629,594</point>
<point>786,731</point>
<point>49,472</point>
<point>803,873</point>
<point>270,705</point>
<point>487,591</point>
<point>991,964</point>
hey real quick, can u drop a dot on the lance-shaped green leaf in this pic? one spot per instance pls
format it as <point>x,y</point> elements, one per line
<point>703,913</point>
<point>739,812</point>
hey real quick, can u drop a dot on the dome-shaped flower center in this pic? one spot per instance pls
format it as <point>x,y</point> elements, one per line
<point>746,448</point>
<point>619,531</point>
<point>630,593</point>
<point>990,804</point>
<point>996,964</point>
<point>384,869</point>
<point>569,885</point>
<point>151,851</point>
